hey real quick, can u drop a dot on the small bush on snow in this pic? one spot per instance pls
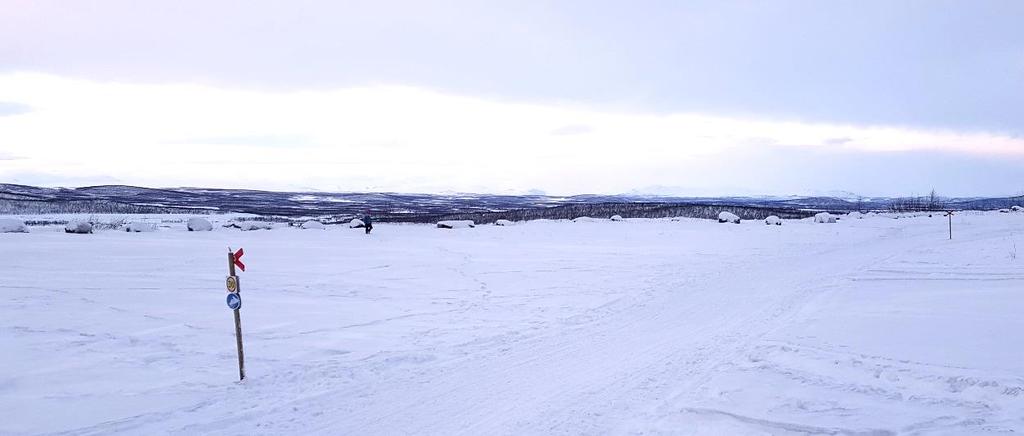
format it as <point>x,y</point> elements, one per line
<point>456,224</point>
<point>113,223</point>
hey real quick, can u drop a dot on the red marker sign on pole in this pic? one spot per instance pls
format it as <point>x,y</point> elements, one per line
<point>238,259</point>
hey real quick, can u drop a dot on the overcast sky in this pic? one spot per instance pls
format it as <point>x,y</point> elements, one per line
<point>674,97</point>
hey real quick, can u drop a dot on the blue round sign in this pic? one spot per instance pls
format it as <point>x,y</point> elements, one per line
<point>234,301</point>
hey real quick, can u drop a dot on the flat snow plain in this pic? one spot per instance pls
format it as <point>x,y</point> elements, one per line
<point>875,326</point>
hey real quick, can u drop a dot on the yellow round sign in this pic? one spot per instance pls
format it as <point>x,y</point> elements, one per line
<point>232,284</point>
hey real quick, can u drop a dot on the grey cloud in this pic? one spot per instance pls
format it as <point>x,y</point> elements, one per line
<point>951,64</point>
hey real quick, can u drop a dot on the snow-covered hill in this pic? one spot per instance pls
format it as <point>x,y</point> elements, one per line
<point>395,207</point>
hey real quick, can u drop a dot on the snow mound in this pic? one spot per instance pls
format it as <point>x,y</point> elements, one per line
<point>855,215</point>
<point>455,224</point>
<point>79,227</point>
<point>199,225</point>
<point>313,225</point>
<point>503,223</point>
<point>728,217</point>
<point>1004,210</point>
<point>247,226</point>
<point>824,217</point>
<point>356,223</point>
<point>140,227</point>
<point>1017,208</point>
<point>8,225</point>
<point>773,221</point>
<point>585,219</point>
<point>616,218</point>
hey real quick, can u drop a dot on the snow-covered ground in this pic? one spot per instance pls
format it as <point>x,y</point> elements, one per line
<point>873,326</point>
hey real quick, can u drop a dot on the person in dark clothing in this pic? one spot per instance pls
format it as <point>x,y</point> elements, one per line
<point>367,224</point>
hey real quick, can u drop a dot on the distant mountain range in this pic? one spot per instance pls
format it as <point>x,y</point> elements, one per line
<point>21,199</point>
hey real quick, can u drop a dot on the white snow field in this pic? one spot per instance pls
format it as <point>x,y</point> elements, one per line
<point>865,327</point>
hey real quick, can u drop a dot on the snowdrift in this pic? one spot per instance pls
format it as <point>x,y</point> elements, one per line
<point>247,226</point>
<point>356,224</point>
<point>773,221</point>
<point>313,225</point>
<point>199,225</point>
<point>728,217</point>
<point>616,218</point>
<point>456,224</point>
<point>503,223</point>
<point>78,227</point>
<point>140,228</point>
<point>8,225</point>
<point>824,217</point>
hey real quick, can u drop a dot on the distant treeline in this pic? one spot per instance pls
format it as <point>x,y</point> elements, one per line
<point>934,204</point>
<point>917,204</point>
<point>606,210</point>
<point>427,209</point>
<point>39,207</point>
<point>989,203</point>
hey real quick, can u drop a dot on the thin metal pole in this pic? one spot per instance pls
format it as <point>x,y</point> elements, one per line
<point>238,318</point>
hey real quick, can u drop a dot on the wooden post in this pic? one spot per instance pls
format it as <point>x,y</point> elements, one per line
<point>949,214</point>
<point>238,317</point>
